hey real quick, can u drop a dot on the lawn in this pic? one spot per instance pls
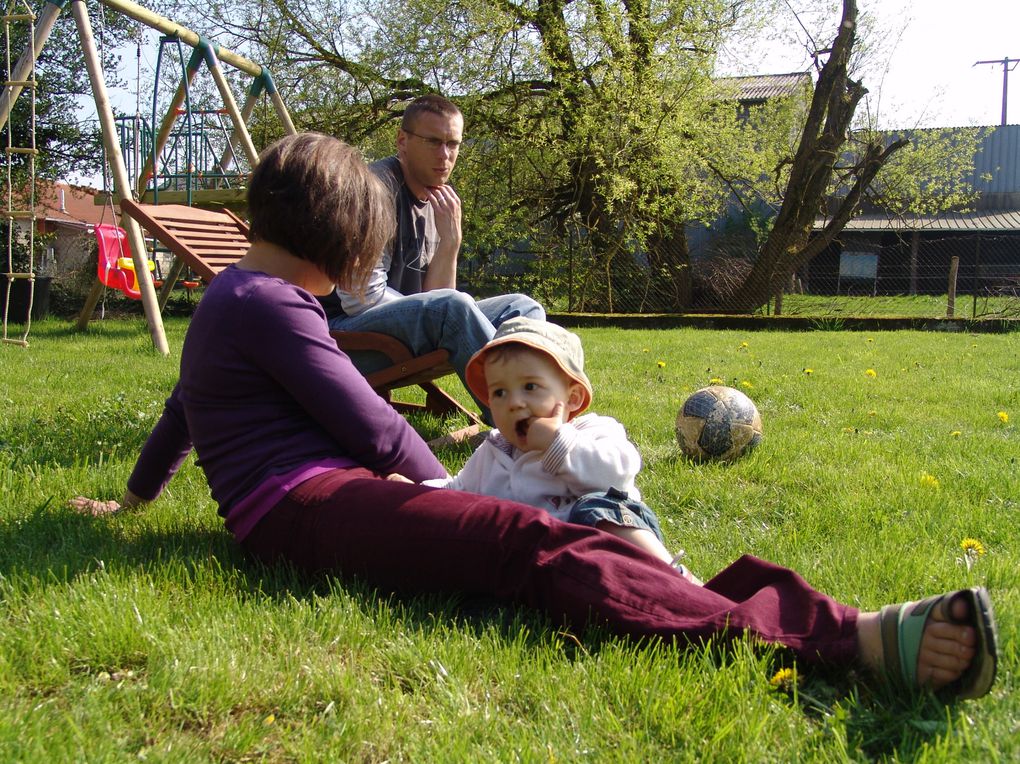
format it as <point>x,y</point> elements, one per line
<point>898,306</point>
<point>148,636</point>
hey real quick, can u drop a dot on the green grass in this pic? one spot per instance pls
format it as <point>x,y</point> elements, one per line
<point>837,307</point>
<point>898,306</point>
<point>148,636</point>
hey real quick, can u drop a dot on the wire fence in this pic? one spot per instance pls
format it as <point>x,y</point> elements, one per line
<point>884,276</point>
<point>921,275</point>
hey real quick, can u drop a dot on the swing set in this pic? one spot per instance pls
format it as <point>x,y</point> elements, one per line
<point>123,261</point>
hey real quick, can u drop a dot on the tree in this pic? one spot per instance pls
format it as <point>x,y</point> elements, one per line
<point>66,142</point>
<point>595,122</point>
<point>597,134</point>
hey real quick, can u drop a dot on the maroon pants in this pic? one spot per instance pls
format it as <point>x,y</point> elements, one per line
<point>408,537</point>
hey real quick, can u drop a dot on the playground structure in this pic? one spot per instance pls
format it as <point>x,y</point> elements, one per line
<point>23,78</point>
<point>144,182</point>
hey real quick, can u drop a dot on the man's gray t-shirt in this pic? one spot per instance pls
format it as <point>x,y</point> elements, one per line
<point>401,270</point>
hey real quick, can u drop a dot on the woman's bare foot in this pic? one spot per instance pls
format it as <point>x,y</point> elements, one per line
<point>946,649</point>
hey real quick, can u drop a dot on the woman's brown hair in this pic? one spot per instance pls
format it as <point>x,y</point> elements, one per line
<point>314,196</point>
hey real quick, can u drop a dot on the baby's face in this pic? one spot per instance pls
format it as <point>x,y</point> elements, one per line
<point>524,386</point>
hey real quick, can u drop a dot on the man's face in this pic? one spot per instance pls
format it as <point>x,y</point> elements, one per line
<point>428,150</point>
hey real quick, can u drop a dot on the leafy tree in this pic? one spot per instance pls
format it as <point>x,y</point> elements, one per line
<point>67,143</point>
<point>596,133</point>
<point>827,152</point>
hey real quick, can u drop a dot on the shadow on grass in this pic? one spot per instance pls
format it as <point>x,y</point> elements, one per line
<point>877,717</point>
<point>55,545</point>
<point>120,326</point>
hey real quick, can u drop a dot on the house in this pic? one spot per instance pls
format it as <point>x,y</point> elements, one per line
<point>882,253</point>
<point>68,214</point>
<point>757,89</point>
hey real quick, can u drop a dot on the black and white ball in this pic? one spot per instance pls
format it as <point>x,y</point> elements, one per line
<point>718,423</point>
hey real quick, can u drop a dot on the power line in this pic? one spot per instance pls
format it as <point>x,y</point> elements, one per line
<point>1006,69</point>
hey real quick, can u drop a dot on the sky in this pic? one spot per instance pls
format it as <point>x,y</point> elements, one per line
<point>923,73</point>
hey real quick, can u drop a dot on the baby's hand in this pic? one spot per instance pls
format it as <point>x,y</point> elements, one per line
<point>542,430</point>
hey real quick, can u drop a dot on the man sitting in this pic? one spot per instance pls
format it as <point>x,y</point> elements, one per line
<point>412,294</point>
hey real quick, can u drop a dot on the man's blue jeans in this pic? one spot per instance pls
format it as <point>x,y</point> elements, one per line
<point>441,318</point>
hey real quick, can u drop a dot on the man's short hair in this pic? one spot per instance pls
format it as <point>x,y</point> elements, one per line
<point>434,104</point>
<point>314,196</point>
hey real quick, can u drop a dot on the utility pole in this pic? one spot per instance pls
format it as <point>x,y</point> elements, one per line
<point>1006,69</point>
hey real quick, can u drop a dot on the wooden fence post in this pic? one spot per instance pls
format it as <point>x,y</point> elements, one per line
<point>954,266</point>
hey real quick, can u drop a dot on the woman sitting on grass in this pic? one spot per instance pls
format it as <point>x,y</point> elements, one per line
<point>297,448</point>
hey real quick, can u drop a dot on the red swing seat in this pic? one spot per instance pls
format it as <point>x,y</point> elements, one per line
<point>115,267</point>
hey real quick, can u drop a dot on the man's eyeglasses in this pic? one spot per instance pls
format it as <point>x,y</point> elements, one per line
<point>435,143</point>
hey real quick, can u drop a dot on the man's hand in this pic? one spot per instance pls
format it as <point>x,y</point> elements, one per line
<point>446,206</point>
<point>542,430</point>
<point>442,271</point>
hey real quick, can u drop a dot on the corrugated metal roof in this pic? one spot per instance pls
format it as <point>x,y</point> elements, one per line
<point>985,221</point>
<point>999,157</point>
<point>996,161</point>
<point>760,87</point>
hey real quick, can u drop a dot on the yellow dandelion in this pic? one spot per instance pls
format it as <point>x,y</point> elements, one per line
<point>661,364</point>
<point>972,547</point>
<point>746,384</point>
<point>955,434</point>
<point>1003,417</point>
<point>716,381</point>
<point>870,339</point>
<point>849,429</point>
<point>784,679</point>
<point>269,719</point>
<point>744,345</point>
<point>644,350</point>
<point>809,372</point>
<point>870,373</point>
<point>929,481</point>
<point>872,413</point>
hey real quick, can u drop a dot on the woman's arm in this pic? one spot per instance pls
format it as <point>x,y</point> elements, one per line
<point>291,342</point>
<point>166,447</point>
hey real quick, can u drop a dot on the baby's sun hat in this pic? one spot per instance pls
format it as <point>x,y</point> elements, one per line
<point>562,347</point>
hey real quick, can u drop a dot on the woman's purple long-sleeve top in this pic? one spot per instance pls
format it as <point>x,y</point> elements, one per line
<point>264,391</point>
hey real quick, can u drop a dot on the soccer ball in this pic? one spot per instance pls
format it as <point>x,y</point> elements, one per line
<point>718,423</point>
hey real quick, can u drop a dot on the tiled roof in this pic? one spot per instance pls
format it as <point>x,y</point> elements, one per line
<point>761,87</point>
<point>984,221</point>
<point>71,205</point>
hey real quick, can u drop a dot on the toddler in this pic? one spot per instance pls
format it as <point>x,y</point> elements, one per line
<point>544,450</point>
